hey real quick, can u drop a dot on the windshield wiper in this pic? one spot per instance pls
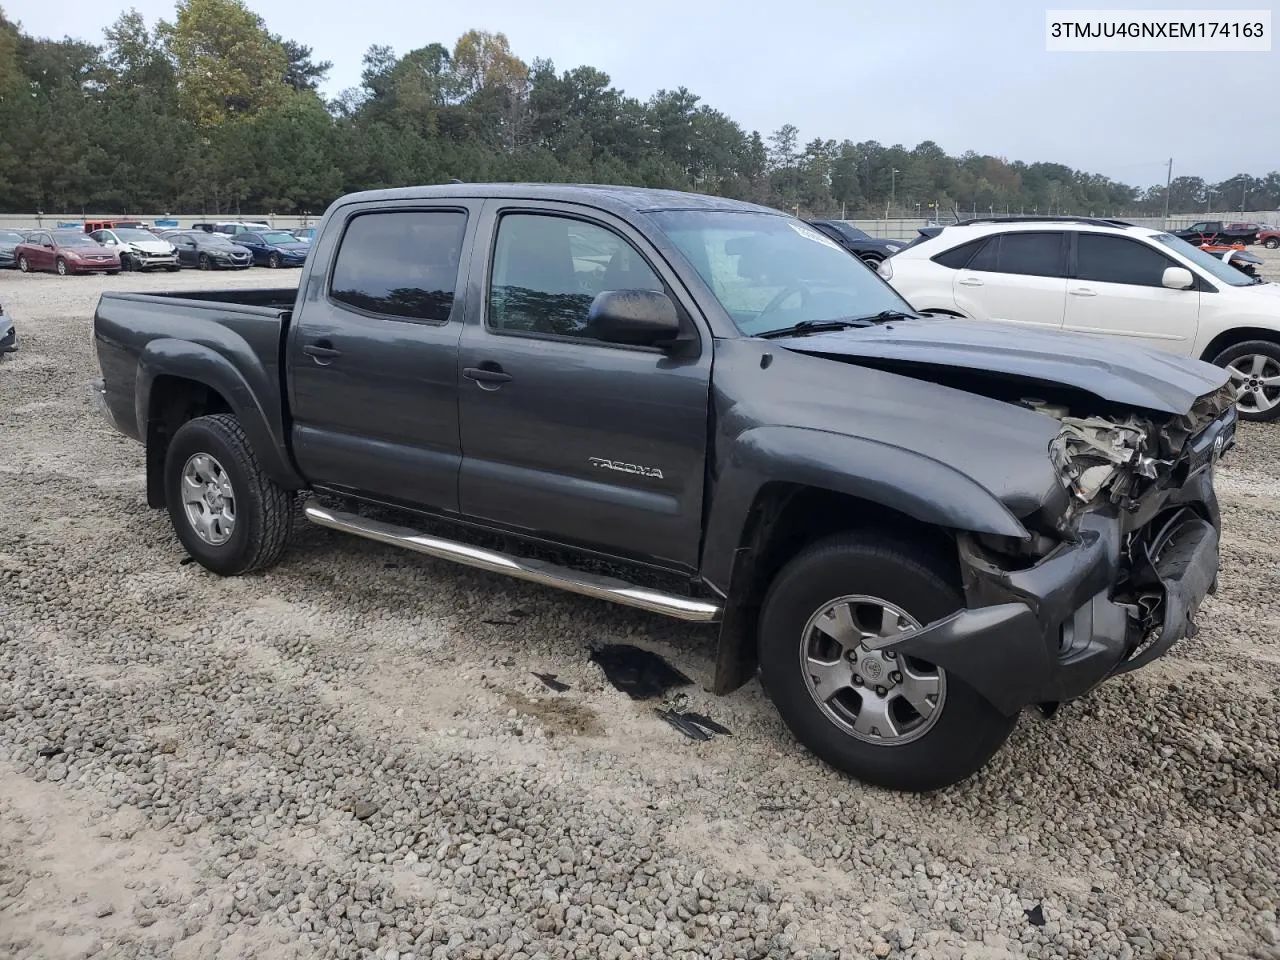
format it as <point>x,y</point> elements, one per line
<point>838,323</point>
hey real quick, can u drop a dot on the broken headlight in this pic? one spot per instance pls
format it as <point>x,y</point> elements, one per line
<point>1095,454</point>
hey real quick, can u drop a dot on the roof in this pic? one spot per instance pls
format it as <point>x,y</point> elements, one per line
<point>616,199</point>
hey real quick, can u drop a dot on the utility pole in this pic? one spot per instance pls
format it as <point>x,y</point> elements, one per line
<point>1208,199</point>
<point>893,186</point>
<point>1168,185</point>
<point>1244,192</point>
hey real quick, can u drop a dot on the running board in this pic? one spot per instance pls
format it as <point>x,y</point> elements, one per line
<point>535,571</point>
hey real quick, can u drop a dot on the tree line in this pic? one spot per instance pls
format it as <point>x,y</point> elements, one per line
<point>212,112</point>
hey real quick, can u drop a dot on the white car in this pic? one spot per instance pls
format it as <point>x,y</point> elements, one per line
<point>139,249</point>
<point>1108,277</point>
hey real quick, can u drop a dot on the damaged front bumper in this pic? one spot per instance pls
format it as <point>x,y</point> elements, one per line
<point>1121,593</point>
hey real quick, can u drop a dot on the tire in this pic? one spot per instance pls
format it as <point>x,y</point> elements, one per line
<point>273,261</point>
<point>872,260</point>
<point>61,266</point>
<point>174,269</point>
<point>963,731</point>
<point>204,263</point>
<point>112,273</point>
<point>215,447</point>
<point>23,265</point>
<point>1254,362</point>
<point>1271,243</point>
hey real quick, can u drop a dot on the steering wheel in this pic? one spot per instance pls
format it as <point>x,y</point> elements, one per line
<point>781,298</point>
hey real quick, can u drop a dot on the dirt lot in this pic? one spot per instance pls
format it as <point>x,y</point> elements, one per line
<point>348,756</point>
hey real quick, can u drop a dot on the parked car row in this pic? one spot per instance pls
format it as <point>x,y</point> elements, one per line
<point>113,246</point>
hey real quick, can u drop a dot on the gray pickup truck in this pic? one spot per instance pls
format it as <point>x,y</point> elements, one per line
<point>909,527</point>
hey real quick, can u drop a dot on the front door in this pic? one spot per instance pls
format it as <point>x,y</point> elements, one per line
<point>373,354</point>
<point>1016,277</point>
<point>1117,288</point>
<point>563,436</point>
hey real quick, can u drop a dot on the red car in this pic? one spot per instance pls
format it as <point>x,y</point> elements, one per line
<point>1269,238</point>
<point>65,251</point>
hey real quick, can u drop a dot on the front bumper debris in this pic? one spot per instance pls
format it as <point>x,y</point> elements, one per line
<point>1123,592</point>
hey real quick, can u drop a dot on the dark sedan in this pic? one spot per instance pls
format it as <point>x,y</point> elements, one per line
<point>208,251</point>
<point>858,242</point>
<point>274,248</point>
<point>9,240</point>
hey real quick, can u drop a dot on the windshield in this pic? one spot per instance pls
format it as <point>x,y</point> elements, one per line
<point>75,240</point>
<point>1210,264</point>
<point>279,237</point>
<point>772,272</point>
<point>131,235</point>
<point>11,236</point>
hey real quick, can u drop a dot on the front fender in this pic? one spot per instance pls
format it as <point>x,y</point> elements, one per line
<point>919,486</point>
<point>252,394</point>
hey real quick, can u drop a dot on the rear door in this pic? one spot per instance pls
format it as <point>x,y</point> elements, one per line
<point>1116,287</point>
<point>566,437</point>
<point>1016,277</point>
<point>373,352</point>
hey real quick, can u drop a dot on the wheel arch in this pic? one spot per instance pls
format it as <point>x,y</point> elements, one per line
<point>178,381</point>
<point>1229,338</point>
<point>784,492</point>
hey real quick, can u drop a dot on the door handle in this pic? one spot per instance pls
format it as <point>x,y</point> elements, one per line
<point>1083,292</point>
<point>971,282</point>
<point>321,351</point>
<point>486,374</point>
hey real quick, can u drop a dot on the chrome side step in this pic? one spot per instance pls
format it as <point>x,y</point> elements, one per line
<point>536,571</point>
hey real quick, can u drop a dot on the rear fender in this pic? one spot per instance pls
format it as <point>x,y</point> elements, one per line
<point>204,365</point>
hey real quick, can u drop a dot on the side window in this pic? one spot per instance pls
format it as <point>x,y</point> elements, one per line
<point>401,264</point>
<point>249,238</point>
<point>547,269</point>
<point>957,258</point>
<point>1104,258</point>
<point>1199,227</point>
<point>1030,254</point>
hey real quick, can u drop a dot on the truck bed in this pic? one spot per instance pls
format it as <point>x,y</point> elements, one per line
<point>236,335</point>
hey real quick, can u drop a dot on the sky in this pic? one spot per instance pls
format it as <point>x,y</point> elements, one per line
<point>970,75</point>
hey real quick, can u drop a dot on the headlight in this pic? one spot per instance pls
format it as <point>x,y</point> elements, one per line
<point>1090,454</point>
<point>892,248</point>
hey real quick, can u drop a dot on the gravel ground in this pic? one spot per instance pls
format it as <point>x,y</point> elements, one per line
<point>347,756</point>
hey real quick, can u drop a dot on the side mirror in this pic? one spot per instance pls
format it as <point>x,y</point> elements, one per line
<point>1177,278</point>
<point>641,318</point>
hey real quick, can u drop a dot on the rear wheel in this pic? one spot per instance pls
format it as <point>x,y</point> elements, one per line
<point>886,719</point>
<point>229,515</point>
<point>1255,372</point>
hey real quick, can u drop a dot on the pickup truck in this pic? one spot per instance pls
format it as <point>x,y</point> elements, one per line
<point>1215,231</point>
<point>909,527</point>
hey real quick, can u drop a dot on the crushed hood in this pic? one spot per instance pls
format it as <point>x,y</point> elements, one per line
<point>1108,367</point>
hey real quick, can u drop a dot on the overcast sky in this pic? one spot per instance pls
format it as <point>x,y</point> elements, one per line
<point>970,75</point>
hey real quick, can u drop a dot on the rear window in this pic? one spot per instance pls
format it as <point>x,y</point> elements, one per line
<point>400,264</point>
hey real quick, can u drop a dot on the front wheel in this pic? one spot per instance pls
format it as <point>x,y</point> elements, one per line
<point>1271,243</point>
<point>229,515</point>
<point>24,265</point>
<point>205,263</point>
<point>274,261</point>
<point>61,267</point>
<point>889,720</point>
<point>1255,372</point>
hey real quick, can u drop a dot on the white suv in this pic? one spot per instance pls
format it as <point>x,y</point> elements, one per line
<point>1098,276</point>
